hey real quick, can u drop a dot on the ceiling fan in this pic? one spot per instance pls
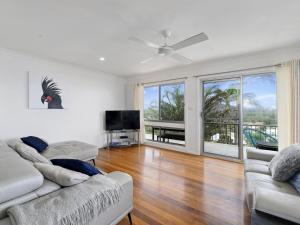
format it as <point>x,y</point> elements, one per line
<point>170,50</point>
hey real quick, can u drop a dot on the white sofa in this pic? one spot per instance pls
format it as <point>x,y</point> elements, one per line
<point>270,201</point>
<point>20,182</point>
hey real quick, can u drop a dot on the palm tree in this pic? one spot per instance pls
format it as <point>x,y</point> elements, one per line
<point>219,107</point>
<point>171,105</point>
<point>217,102</point>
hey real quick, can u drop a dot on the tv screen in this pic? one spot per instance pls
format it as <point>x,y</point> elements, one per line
<point>113,120</point>
<point>123,120</point>
<point>131,119</point>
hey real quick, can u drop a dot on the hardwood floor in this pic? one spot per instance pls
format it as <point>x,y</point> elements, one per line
<point>176,188</point>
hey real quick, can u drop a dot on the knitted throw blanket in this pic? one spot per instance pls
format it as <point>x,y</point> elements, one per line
<point>76,205</point>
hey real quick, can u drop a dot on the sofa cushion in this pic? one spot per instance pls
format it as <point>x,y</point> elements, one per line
<point>278,203</point>
<point>16,201</point>
<point>19,179</point>
<point>286,163</point>
<point>254,180</point>
<point>46,188</point>
<point>256,166</point>
<point>295,181</point>
<point>260,154</point>
<point>77,165</point>
<point>3,144</point>
<point>13,141</point>
<point>5,221</point>
<point>117,212</point>
<point>61,176</point>
<point>30,153</point>
<point>71,149</point>
<point>259,218</point>
<point>35,143</point>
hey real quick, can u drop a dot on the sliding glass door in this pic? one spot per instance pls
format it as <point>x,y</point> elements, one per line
<point>239,112</point>
<point>221,117</point>
<point>260,111</point>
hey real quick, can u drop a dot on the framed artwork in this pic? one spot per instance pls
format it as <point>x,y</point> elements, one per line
<point>46,91</point>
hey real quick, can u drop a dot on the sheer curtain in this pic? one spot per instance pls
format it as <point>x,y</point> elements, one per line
<point>139,105</point>
<point>295,101</point>
<point>288,96</point>
<point>284,105</point>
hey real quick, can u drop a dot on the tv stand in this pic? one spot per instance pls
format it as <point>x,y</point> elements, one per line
<point>122,138</point>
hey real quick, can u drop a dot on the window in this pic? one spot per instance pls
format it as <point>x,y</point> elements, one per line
<point>151,103</point>
<point>237,112</point>
<point>164,102</point>
<point>259,93</point>
<point>260,109</point>
<point>164,113</point>
<point>172,102</point>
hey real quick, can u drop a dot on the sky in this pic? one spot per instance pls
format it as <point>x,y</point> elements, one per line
<point>151,93</point>
<point>264,89</point>
<point>261,86</point>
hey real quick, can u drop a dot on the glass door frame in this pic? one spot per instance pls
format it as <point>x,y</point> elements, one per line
<point>240,125</point>
<point>224,76</point>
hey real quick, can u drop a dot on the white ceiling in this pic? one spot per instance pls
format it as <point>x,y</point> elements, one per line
<point>81,31</point>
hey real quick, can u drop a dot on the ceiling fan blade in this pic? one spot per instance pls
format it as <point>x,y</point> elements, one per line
<point>190,41</point>
<point>181,58</point>
<point>148,60</point>
<point>143,42</point>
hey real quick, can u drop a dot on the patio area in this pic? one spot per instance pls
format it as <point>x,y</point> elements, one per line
<point>227,147</point>
<point>221,149</point>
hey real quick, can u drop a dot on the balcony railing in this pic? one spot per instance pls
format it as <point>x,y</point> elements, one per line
<point>223,133</point>
<point>164,134</point>
<point>227,133</point>
<point>271,130</point>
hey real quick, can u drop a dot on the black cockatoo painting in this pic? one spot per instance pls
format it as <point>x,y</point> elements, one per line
<point>51,94</point>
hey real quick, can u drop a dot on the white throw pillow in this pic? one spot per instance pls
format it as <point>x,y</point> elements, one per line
<point>30,153</point>
<point>13,141</point>
<point>3,143</point>
<point>60,175</point>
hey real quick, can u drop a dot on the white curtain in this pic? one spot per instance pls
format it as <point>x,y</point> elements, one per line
<point>139,105</point>
<point>295,101</point>
<point>283,74</point>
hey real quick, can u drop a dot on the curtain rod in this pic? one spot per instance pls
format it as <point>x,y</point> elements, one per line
<point>209,74</point>
<point>155,82</point>
<point>241,70</point>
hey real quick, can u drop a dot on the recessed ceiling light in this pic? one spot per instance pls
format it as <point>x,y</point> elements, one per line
<point>102,59</point>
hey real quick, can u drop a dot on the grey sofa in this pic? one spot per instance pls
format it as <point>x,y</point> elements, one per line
<point>269,201</point>
<point>66,149</point>
<point>20,182</point>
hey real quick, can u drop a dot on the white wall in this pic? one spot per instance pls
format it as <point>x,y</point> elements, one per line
<point>193,99</point>
<point>91,94</point>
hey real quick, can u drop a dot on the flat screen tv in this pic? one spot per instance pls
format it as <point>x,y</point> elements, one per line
<point>122,120</point>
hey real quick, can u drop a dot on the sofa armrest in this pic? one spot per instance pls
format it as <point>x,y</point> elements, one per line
<point>280,204</point>
<point>260,154</point>
<point>126,182</point>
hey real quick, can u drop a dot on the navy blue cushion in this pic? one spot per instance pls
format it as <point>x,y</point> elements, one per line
<point>35,143</point>
<point>77,165</point>
<point>295,181</point>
